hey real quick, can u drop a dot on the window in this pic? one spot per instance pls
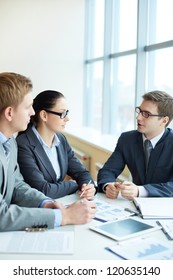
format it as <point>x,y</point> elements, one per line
<point>129,51</point>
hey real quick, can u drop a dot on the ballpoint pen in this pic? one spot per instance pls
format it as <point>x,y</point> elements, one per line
<point>135,212</point>
<point>85,188</point>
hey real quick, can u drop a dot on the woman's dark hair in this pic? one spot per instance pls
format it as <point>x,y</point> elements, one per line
<point>45,100</point>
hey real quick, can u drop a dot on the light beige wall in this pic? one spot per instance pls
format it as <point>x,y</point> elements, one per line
<point>44,39</point>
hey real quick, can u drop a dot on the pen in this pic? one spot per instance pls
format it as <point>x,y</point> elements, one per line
<point>85,189</point>
<point>34,229</point>
<point>133,211</point>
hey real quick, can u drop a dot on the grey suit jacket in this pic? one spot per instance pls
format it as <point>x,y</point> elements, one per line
<point>18,201</point>
<point>129,151</point>
<point>38,171</point>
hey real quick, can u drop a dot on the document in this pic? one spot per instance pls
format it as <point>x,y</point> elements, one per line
<point>155,207</point>
<point>47,242</point>
<point>143,249</point>
<point>108,212</point>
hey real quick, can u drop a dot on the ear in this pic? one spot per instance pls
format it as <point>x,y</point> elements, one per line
<point>8,112</point>
<point>165,120</point>
<point>43,115</point>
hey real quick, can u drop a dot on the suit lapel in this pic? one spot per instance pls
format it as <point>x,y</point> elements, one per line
<point>4,171</point>
<point>61,161</point>
<point>40,153</point>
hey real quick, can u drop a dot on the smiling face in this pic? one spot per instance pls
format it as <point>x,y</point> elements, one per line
<point>153,125</point>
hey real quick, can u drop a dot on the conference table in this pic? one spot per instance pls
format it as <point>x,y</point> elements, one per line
<point>88,245</point>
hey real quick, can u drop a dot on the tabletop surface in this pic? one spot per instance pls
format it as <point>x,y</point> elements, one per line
<point>88,245</point>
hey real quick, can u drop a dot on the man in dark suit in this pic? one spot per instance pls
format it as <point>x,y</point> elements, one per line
<point>151,168</point>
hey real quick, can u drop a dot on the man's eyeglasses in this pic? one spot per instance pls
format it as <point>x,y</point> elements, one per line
<point>62,115</point>
<point>146,114</point>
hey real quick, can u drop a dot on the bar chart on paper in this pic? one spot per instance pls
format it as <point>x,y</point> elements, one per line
<point>151,249</point>
<point>144,248</point>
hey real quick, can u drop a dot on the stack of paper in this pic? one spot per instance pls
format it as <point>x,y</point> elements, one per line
<point>47,242</point>
<point>155,207</point>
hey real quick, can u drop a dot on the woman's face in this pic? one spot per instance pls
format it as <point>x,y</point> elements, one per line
<point>54,122</point>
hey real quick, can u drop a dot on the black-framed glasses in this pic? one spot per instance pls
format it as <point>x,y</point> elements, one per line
<point>62,115</point>
<point>146,114</point>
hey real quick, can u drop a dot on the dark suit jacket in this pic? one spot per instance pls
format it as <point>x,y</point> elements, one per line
<point>129,151</point>
<point>37,169</point>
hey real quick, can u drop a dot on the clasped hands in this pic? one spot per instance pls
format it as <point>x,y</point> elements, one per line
<point>127,189</point>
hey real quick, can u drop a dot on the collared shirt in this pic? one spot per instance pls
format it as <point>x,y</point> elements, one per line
<point>52,155</point>
<point>3,140</point>
<point>155,139</point>
<point>51,152</point>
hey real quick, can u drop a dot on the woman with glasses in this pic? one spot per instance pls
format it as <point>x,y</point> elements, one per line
<point>44,154</point>
<point>146,151</point>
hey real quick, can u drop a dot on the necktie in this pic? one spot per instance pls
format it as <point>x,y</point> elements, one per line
<point>147,150</point>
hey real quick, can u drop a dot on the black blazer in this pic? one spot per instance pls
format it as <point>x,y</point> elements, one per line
<point>129,151</point>
<point>37,169</point>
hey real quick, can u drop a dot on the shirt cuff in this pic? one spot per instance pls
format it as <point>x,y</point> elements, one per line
<point>44,201</point>
<point>105,185</point>
<point>58,217</point>
<point>142,191</point>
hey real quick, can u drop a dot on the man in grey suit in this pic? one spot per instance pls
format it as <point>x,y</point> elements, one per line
<point>151,166</point>
<point>20,205</point>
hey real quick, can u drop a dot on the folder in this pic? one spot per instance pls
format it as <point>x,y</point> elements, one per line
<point>154,207</point>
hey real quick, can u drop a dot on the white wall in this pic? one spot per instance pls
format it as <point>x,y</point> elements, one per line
<point>44,39</point>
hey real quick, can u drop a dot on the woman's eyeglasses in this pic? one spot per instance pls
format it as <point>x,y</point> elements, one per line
<point>62,115</point>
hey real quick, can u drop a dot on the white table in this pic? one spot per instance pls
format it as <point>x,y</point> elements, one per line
<point>89,245</point>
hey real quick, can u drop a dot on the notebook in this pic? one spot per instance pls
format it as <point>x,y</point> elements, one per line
<point>167,227</point>
<point>155,207</point>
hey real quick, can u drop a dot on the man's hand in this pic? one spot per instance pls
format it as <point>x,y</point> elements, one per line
<point>112,191</point>
<point>80,212</point>
<point>128,190</point>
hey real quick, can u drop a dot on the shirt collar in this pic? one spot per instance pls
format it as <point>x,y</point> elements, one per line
<point>155,139</point>
<point>3,138</point>
<point>56,141</point>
